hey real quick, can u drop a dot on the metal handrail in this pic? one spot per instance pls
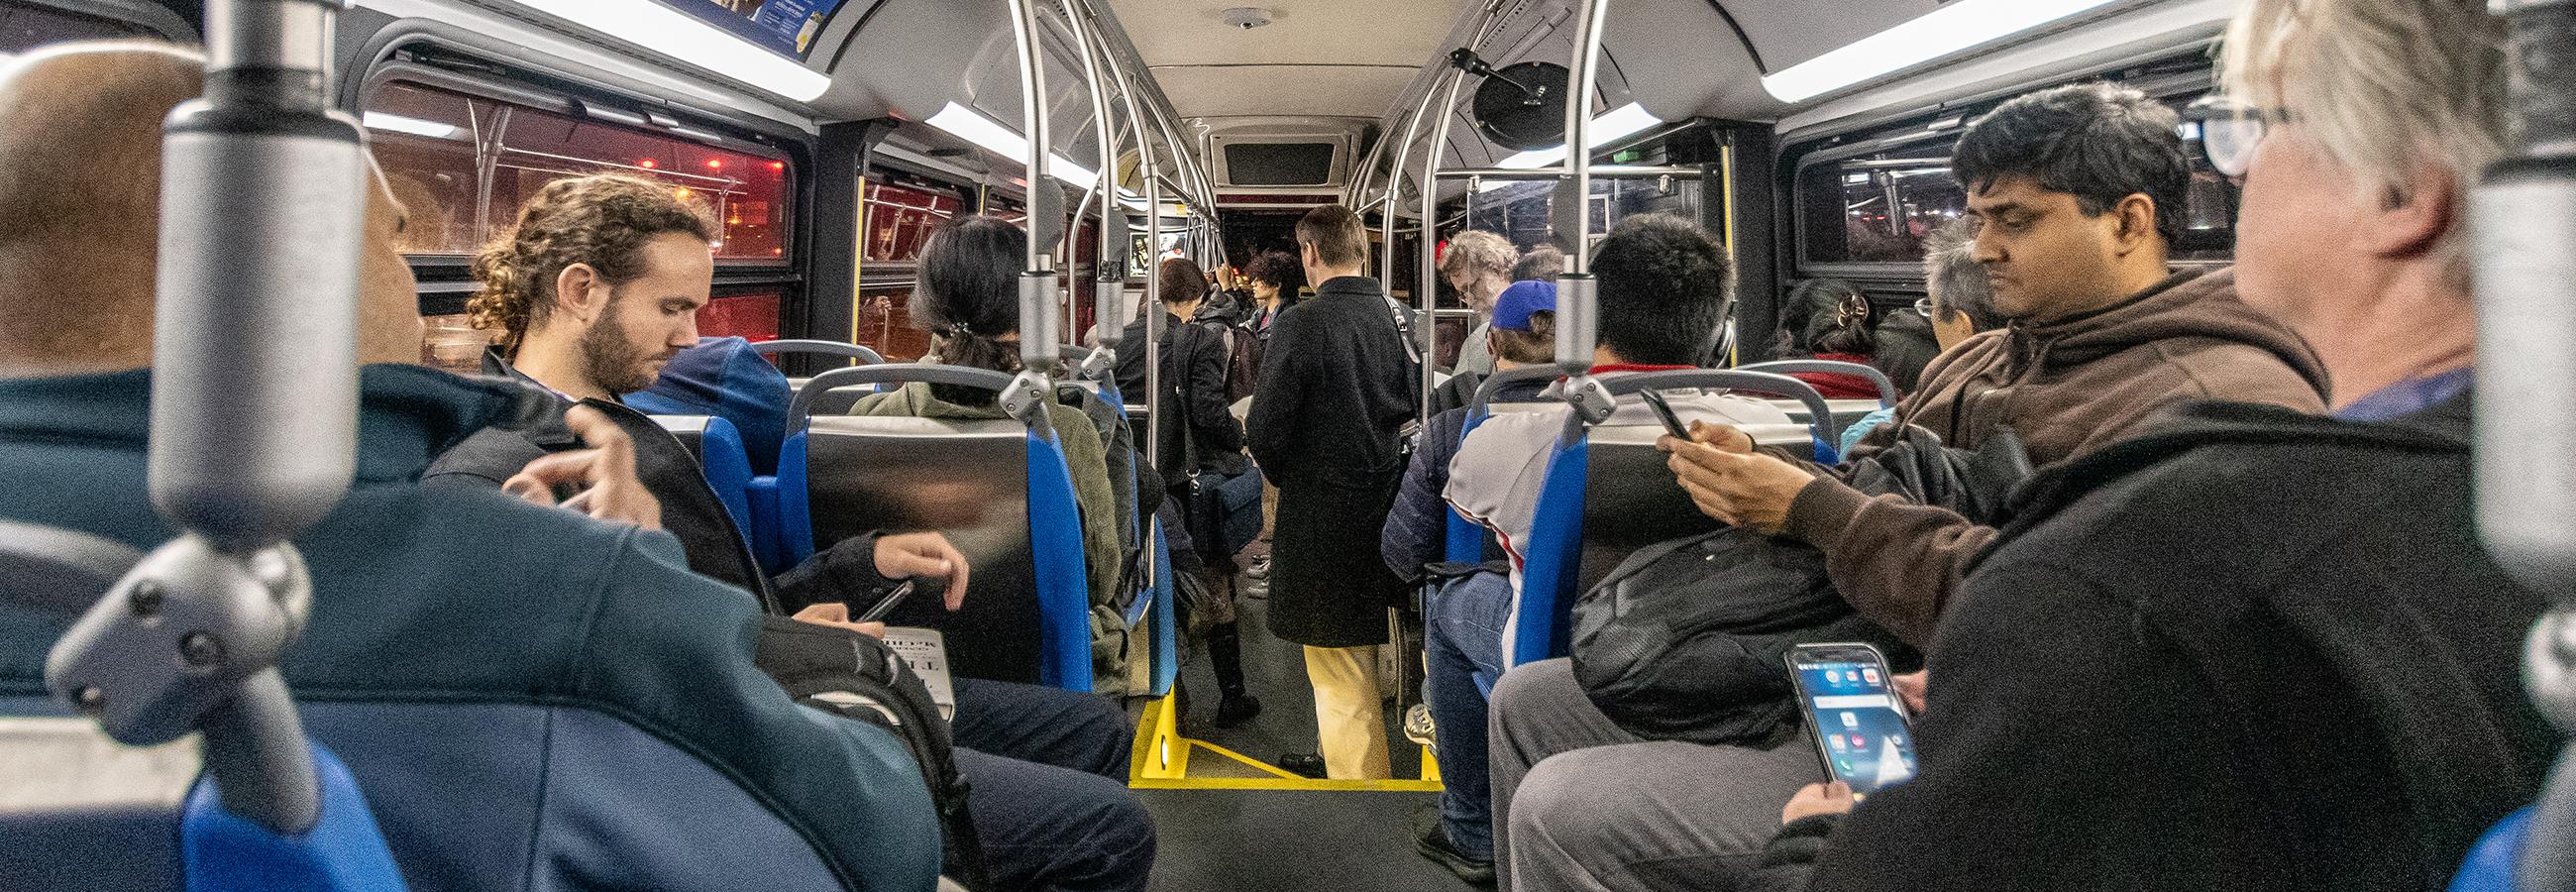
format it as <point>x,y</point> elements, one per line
<point>1887,392</point>
<point>800,409</point>
<point>826,348</point>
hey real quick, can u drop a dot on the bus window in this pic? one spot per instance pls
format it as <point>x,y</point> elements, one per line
<point>449,344</point>
<point>751,317</point>
<point>900,220</point>
<point>464,165</point>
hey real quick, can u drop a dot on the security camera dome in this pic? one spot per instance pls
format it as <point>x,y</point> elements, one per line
<point>1247,17</point>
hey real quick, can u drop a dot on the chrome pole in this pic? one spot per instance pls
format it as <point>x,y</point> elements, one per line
<point>2522,223</point>
<point>1577,305</point>
<point>1039,335</point>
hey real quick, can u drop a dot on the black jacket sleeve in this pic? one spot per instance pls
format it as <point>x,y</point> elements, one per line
<point>1790,856</point>
<point>1278,402</point>
<point>1203,392</point>
<point>2056,727</point>
<point>844,573</point>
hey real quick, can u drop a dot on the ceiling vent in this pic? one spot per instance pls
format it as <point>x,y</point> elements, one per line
<point>1247,17</point>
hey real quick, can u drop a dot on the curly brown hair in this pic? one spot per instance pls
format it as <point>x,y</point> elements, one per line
<point>603,221</point>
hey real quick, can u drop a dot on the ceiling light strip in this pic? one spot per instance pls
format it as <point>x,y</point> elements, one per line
<point>1962,25</point>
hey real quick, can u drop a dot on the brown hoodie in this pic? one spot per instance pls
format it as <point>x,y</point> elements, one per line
<point>2066,387</point>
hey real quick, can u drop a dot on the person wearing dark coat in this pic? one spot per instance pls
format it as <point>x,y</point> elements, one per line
<point>2251,648</point>
<point>1337,386</point>
<point>1197,433</point>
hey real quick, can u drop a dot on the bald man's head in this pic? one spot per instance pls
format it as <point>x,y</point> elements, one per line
<point>80,192</point>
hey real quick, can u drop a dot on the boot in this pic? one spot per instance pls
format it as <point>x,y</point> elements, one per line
<point>1235,704</point>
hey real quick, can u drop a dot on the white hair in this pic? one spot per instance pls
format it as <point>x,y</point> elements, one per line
<point>2385,87</point>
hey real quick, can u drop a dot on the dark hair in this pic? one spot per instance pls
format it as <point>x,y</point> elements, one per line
<point>1956,281</point>
<point>1278,269</point>
<point>968,296</point>
<point>603,221</point>
<point>1543,263</point>
<point>1808,309</point>
<point>1535,346</point>
<point>2098,142</point>
<point>1337,235</point>
<point>1182,281</point>
<point>1663,287</point>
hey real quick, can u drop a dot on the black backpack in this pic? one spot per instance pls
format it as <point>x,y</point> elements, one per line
<point>858,677</point>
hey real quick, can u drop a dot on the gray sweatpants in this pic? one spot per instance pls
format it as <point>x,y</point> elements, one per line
<point>1581,805</point>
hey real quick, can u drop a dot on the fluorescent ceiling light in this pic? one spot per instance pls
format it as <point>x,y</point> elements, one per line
<point>413,126</point>
<point>1612,126</point>
<point>673,33</point>
<point>1958,26</point>
<point>972,126</point>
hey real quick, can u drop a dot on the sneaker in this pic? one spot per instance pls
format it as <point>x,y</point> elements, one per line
<point>1260,569</point>
<point>1417,725</point>
<point>1432,840</point>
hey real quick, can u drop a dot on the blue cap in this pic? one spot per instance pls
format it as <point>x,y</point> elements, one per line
<point>1512,310</point>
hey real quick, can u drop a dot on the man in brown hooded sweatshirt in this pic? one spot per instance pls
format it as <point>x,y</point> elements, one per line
<point>2078,193</point>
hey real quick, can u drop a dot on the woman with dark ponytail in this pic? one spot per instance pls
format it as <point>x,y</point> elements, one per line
<point>968,299</point>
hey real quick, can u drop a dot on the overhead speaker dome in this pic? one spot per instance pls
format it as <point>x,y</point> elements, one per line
<point>1247,17</point>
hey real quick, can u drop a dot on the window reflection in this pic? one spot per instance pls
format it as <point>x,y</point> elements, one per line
<point>464,166</point>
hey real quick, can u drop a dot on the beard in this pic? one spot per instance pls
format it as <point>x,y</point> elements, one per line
<point>613,362</point>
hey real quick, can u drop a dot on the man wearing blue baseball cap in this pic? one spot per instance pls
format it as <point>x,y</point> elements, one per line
<point>1467,606</point>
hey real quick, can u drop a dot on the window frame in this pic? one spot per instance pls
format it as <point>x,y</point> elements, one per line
<point>445,281</point>
<point>1941,127</point>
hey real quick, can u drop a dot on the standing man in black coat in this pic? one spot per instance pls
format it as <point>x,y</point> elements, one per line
<point>1337,384</point>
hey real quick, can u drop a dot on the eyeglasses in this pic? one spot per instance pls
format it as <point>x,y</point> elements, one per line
<point>2230,129</point>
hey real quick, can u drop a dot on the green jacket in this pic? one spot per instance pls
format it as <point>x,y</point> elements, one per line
<point>471,597</point>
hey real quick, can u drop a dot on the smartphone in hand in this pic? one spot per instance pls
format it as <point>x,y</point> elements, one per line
<point>1851,709</point>
<point>1664,412</point>
<point>887,604</point>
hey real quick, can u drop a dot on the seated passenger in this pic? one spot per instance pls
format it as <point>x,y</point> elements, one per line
<point>1479,265</point>
<point>1199,435</point>
<point>968,298</point>
<point>1957,303</point>
<point>592,291</point>
<point>1831,320</point>
<point>1522,334</point>
<point>1662,289</point>
<point>2257,648</point>
<point>424,595</point>
<point>2078,191</point>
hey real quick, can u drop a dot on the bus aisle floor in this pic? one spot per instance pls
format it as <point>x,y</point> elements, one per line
<point>1290,841</point>
<point>1275,671</point>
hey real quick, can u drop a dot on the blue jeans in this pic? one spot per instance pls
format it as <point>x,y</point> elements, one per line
<point>1047,772</point>
<point>1463,641</point>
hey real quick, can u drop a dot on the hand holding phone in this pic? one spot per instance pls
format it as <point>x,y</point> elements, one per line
<point>1664,412</point>
<point>1851,708</point>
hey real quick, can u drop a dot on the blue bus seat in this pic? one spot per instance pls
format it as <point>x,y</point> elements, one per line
<point>1607,493</point>
<point>1000,491</point>
<point>721,457</point>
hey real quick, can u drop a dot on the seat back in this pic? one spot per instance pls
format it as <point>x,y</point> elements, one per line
<point>721,457</point>
<point>840,400</point>
<point>999,490</point>
<point>1607,493</point>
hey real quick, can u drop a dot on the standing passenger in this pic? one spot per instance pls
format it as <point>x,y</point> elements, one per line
<point>1337,385</point>
<point>1479,265</point>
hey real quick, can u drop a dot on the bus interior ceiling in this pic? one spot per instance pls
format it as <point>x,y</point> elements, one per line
<point>831,151</point>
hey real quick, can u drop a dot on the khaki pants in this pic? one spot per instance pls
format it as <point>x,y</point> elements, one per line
<point>1349,722</point>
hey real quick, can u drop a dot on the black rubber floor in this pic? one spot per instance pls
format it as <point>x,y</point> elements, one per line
<point>1275,671</point>
<point>1289,841</point>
